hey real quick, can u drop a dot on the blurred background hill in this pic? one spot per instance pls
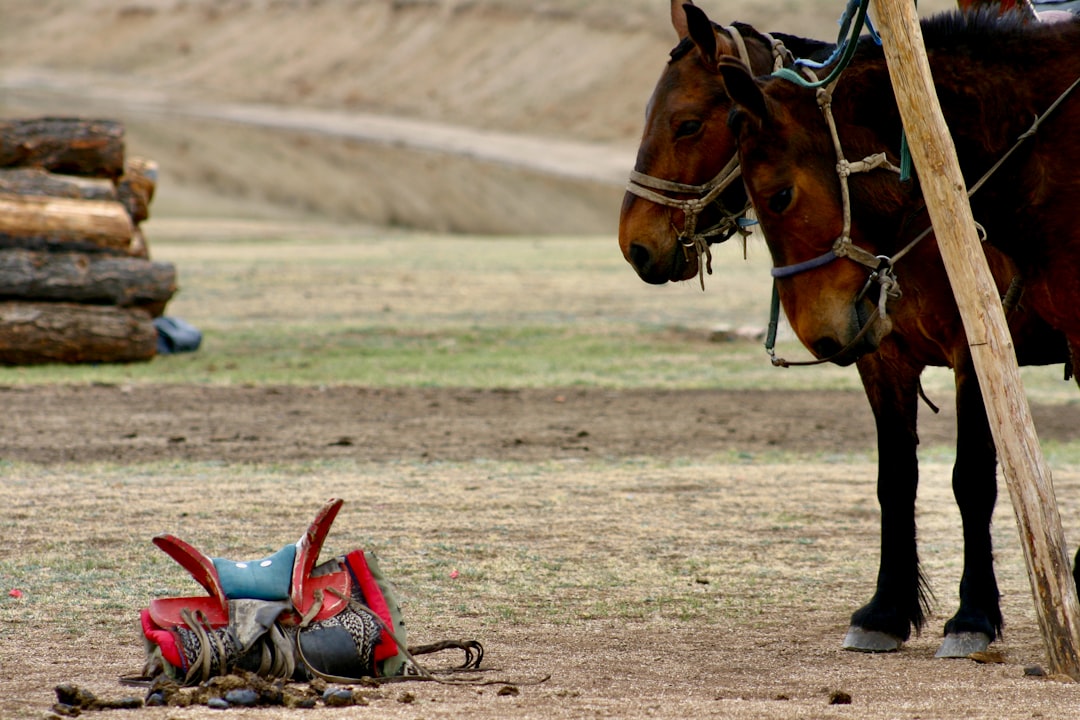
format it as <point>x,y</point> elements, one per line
<point>478,116</point>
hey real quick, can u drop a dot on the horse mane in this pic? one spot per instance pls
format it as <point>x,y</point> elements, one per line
<point>978,25</point>
<point>1004,106</point>
<point>980,32</point>
<point>800,47</point>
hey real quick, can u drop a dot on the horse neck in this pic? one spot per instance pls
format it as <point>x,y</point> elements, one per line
<point>993,81</point>
<point>867,123</point>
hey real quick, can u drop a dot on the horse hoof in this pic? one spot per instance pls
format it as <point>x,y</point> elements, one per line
<point>871,641</point>
<point>960,645</point>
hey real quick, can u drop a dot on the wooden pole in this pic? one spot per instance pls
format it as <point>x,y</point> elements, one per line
<point>1025,470</point>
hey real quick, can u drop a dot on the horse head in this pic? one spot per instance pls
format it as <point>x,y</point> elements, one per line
<point>822,265</point>
<point>685,180</point>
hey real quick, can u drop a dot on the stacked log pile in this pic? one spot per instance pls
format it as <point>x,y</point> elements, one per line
<point>76,281</point>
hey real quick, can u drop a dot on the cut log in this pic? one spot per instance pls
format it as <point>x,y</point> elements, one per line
<point>73,146</point>
<point>86,278</point>
<point>37,222</point>
<point>39,333</point>
<point>135,188</point>
<point>138,247</point>
<point>35,181</point>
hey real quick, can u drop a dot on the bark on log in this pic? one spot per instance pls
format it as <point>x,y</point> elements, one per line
<point>85,278</point>
<point>39,333</point>
<point>135,188</point>
<point>37,222</point>
<point>35,181</point>
<point>73,146</point>
<point>138,247</point>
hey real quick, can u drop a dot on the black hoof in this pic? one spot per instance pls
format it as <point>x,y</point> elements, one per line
<point>960,645</point>
<point>871,641</point>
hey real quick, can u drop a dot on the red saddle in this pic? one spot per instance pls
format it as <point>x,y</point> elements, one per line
<point>290,581</point>
<point>325,595</point>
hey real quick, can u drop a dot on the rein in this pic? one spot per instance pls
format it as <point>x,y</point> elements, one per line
<point>702,196</point>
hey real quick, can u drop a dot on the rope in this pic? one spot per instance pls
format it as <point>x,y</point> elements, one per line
<point>846,44</point>
<point>422,673</point>
<point>199,623</point>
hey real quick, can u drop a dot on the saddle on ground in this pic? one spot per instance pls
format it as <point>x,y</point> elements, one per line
<point>277,616</point>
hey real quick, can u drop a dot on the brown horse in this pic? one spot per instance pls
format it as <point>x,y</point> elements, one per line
<point>687,139</point>
<point>993,77</point>
<point>686,175</point>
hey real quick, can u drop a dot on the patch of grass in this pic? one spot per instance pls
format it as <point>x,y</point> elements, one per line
<point>413,310</point>
<point>333,306</point>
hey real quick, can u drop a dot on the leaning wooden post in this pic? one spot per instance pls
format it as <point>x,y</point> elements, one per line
<point>988,335</point>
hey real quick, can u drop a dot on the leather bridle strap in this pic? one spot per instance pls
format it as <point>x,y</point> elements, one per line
<point>702,196</point>
<point>880,266</point>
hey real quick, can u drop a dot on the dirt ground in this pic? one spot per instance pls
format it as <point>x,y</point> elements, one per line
<point>137,424</point>
<point>752,512</point>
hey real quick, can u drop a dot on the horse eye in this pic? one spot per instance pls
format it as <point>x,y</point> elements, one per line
<point>688,128</point>
<point>779,202</point>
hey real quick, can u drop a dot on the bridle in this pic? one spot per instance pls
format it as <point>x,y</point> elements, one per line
<point>880,266</point>
<point>702,196</point>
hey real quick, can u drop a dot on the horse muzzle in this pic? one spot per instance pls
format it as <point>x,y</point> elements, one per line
<point>863,335</point>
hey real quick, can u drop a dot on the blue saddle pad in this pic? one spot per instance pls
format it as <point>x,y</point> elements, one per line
<point>1072,6</point>
<point>269,578</point>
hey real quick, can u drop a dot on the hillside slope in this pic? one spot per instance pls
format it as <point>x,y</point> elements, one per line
<point>577,70</point>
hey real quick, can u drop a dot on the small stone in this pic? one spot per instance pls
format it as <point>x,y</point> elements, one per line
<point>216,703</point>
<point>1034,671</point>
<point>244,697</point>
<point>508,691</point>
<point>155,699</point>
<point>406,698</point>
<point>839,697</point>
<point>338,697</point>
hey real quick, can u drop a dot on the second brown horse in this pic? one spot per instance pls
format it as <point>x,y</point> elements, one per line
<point>794,186</point>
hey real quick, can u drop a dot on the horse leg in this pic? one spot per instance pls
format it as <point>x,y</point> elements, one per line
<point>900,599</point>
<point>978,621</point>
<point>1074,365</point>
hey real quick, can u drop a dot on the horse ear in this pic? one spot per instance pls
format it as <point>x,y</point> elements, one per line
<point>742,88</point>
<point>701,31</point>
<point>678,17</point>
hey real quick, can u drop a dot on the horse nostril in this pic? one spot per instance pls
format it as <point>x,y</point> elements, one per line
<point>826,347</point>
<point>640,257</point>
